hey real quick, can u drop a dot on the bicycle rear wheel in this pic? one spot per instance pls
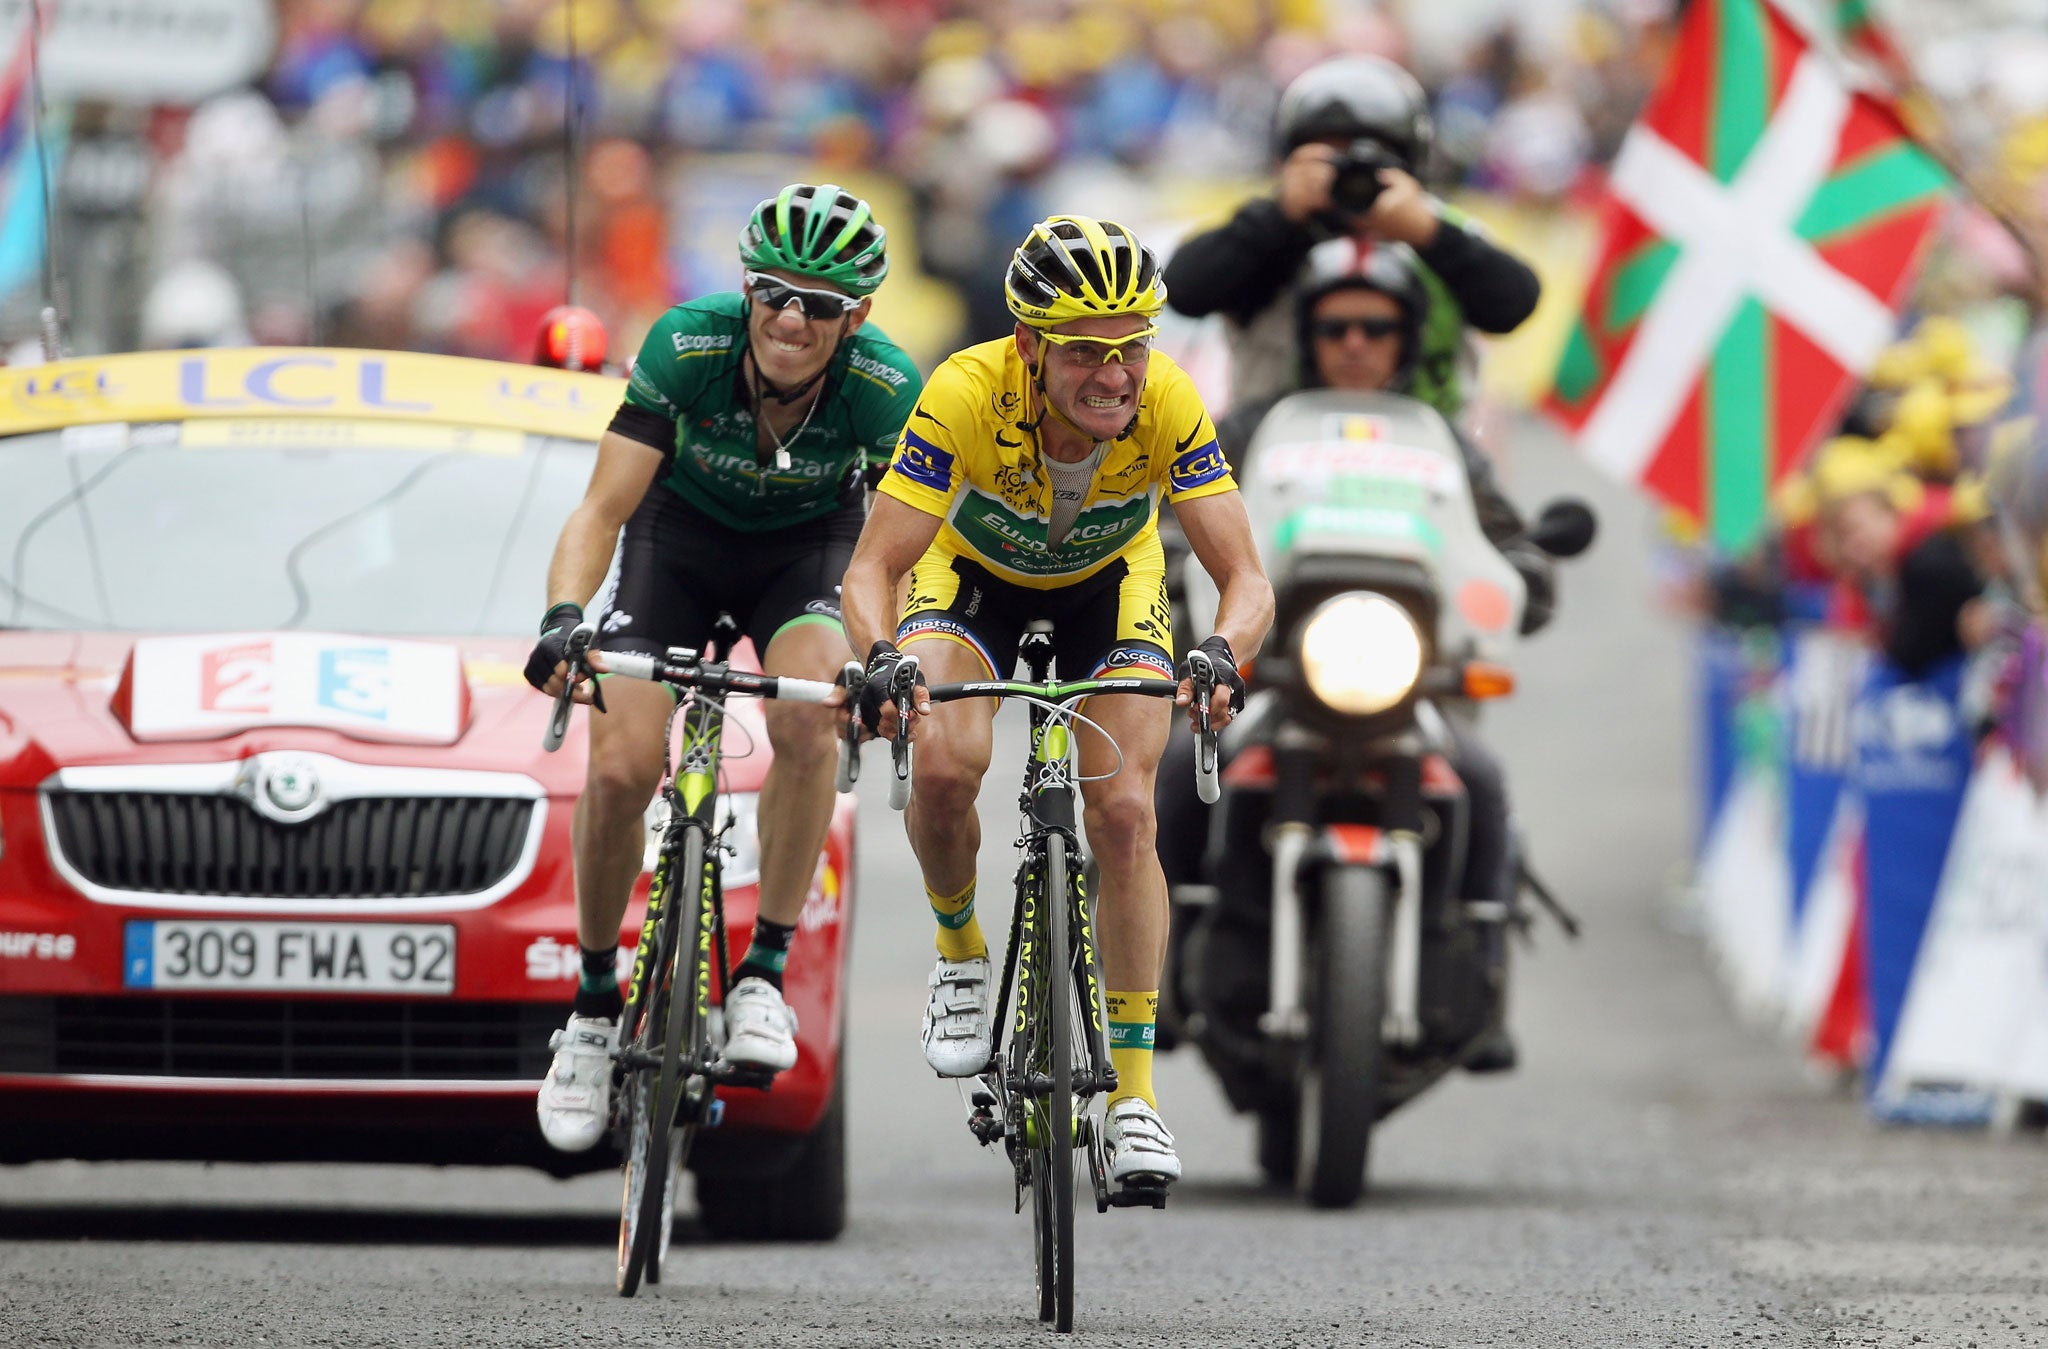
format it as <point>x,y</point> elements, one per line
<point>1052,1189</point>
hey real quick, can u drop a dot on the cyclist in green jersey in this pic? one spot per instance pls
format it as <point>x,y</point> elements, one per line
<point>736,470</point>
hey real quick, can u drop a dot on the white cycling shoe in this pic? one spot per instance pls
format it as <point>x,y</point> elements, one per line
<point>1140,1149</point>
<point>760,1030</point>
<point>575,1102</point>
<point>956,1024</point>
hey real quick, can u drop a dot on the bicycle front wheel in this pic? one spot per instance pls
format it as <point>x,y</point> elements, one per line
<point>666,1102</point>
<point>646,1023</point>
<point>1052,1187</point>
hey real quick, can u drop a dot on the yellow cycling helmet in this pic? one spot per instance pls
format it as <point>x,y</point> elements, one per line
<point>1074,267</point>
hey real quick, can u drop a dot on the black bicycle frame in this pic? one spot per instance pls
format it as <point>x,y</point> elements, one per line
<point>1047,800</point>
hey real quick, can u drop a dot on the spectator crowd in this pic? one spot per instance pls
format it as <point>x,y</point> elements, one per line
<point>405,162</point>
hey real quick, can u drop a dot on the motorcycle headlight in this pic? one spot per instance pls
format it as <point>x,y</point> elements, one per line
<point>1361,653</point>
<point>742,860</point>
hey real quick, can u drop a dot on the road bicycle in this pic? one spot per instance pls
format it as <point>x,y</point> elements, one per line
<point>1042,1095</point>
<point>668,1065</point>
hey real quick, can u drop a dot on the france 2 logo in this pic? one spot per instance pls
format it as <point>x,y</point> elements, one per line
<point>237,678</point>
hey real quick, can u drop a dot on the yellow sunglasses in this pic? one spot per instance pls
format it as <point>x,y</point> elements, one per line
<point>1093,351</point>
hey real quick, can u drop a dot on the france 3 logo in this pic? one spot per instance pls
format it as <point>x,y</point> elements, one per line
<point>924,463</point>
<point>1199,467</point>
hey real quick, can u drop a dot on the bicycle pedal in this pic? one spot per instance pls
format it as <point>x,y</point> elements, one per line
<point>744,1075</point>
<point>1139,1194</point>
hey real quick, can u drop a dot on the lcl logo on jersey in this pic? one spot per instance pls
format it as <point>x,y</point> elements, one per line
<point>924,463</point>
<point>1197,467</point>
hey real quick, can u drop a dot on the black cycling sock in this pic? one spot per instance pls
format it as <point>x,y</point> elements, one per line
<point>597,991</point>
<point>767,953</point>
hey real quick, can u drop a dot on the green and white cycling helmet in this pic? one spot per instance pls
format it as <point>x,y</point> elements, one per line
<point>823,232</point>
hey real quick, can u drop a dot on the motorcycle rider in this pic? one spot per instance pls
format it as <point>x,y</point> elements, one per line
<point>736,470</point>
<point>1353,133</point>
<point>1027,486</point>
<point>1358,323</point>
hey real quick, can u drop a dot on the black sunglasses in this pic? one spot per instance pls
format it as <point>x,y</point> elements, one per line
<point>1334,330</point>
<point>817,304</point>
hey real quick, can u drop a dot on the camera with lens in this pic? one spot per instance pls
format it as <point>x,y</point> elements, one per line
<point>1357,184</point>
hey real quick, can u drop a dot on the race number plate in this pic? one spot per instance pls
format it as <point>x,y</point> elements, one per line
<point>291,957</point>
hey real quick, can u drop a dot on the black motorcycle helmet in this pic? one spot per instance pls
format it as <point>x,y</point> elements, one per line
<point>1354,97</point>
<point>1347,264</point>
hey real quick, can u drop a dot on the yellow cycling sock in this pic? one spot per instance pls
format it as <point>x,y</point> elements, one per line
<point>959,931</point>
<point>1132,1017</point>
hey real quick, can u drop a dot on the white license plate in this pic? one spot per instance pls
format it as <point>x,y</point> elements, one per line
<point>291,957</point>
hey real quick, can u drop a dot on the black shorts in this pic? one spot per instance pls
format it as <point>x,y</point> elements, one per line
<point>1113,621</point>
<point>678,569</point>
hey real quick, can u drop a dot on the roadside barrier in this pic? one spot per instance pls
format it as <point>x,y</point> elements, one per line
<point>1872,882</point>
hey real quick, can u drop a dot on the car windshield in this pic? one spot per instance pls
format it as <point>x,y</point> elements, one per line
<point>229,526</point>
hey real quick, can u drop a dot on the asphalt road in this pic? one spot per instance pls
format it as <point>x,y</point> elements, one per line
<point>1653,1175</point>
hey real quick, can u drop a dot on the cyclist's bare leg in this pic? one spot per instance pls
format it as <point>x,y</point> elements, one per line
<point>953,747</point>
<point>609,837</point>
<point>1123,835</point>
<point>797,795</point>
<point>610,831</point>
<point>1132,922</point>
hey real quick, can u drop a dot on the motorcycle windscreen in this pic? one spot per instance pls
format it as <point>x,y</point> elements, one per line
<point>1330,474</point>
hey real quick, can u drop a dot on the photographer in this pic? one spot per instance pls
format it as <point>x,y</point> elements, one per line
<point>1353,133</point>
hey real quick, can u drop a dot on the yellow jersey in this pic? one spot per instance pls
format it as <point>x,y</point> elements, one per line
<point>968,455</point>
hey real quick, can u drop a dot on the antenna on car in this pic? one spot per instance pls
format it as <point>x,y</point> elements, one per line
<point>308,247</point>
<point>571,91</point>
<point>52,326</point>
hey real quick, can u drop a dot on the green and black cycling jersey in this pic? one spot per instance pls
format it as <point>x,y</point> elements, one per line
<point>688,397</point>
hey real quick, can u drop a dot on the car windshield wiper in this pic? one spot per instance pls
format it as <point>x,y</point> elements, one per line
<point>302,595</point>
<point>512,534</point>
<point>76,496</point>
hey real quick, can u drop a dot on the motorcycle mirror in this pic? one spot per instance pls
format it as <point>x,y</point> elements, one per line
<point>1566,528</point>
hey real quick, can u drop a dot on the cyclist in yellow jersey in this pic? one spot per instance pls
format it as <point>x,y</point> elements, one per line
<point>1026,486</point>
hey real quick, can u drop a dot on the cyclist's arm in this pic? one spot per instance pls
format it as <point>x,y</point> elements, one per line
<point>624,471</point>
<point>1220,533</point>
<point>895,537</point>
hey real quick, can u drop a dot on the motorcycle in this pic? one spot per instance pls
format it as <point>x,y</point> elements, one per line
<point>1329,971</point>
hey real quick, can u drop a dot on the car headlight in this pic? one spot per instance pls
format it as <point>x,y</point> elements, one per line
<point>1361,653</point>
<point>742,860</point>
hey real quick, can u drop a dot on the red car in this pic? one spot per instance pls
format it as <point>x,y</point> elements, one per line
<point>284,872</point>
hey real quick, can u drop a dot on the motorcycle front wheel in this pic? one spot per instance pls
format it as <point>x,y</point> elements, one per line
<point>1338,1101</point>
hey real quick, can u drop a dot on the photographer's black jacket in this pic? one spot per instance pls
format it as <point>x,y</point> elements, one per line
<point>1248,269</point>
<point>1244,264</point>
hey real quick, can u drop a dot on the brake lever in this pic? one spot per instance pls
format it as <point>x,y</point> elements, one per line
<point>1201,689</point>
<point>576,654</point>
<point>851,678</point>
<point>580,664</point>
<point>902,692</point>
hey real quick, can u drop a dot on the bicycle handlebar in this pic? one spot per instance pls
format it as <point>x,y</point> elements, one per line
<point>1205,759</point>
<point>686,671</point>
